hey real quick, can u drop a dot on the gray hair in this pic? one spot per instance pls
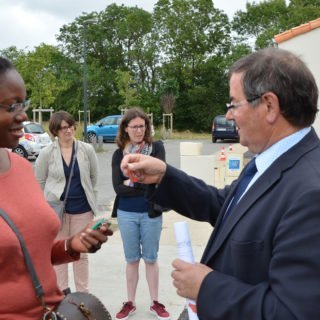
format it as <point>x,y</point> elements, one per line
<point>287,76</point>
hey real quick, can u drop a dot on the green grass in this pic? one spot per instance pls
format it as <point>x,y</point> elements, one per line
<point>181,135</point>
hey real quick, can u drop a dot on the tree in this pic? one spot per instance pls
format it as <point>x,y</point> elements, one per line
<point>127,90</point>
<point>114,43</point>
<point>190,34</point>
<point>17,57</point>
<point>45,74</point>
<point>168,95</point>
<point>302,11</point>
<point>262,21</point>
<point>190,31</point>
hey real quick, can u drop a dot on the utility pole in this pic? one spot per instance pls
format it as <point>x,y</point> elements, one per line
<point>85,91</point>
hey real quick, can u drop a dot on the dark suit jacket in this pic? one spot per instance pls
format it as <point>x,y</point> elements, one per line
<point>266,256</point>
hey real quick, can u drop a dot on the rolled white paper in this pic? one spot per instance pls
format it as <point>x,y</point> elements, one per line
<point>185,253</point>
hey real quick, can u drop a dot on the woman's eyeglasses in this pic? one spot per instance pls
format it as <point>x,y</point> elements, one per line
<point>16,107</point>
<point>65,128</point>
<point>136,128</point>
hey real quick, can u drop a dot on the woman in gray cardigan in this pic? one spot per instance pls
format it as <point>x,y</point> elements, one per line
<point>52,169</point>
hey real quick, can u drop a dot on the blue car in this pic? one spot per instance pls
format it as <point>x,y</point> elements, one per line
<point>107,128</point>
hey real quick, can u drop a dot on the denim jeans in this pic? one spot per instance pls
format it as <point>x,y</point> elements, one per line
<point>140,235</point>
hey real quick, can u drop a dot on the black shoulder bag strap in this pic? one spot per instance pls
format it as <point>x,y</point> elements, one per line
<point>71,173</point>
<point>36,283</point>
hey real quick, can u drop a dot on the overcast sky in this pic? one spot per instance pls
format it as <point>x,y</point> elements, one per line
<point>28,23</point>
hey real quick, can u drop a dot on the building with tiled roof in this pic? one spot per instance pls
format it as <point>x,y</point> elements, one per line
<point>304,41</point>
<point>297,31</point>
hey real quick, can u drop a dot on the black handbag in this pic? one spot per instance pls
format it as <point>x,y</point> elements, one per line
<point>75,306</point>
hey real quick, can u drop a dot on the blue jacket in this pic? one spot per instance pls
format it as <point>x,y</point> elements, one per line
<point>266,257</point>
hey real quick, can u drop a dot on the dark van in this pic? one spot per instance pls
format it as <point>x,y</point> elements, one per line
<point>223,129</point>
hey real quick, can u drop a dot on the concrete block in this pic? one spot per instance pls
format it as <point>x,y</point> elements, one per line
<point>190,148</point>
<point>219,177</point>
<point>199,166</point>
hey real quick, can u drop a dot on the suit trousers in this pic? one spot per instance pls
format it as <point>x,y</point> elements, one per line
<point>72,224</point>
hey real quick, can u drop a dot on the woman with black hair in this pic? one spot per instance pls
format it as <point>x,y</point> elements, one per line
<point>21,198</point>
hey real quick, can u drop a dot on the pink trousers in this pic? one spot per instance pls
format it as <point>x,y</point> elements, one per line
<point>72,224</point>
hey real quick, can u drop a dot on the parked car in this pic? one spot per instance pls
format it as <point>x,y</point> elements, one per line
<point>224,129</point>
<point>107,128</point>
<point>23,149</point>
<point>34,139</point>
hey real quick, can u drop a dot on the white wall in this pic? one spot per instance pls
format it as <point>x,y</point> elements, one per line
<point>307,47</point>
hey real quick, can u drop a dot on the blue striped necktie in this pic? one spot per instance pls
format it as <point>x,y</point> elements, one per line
<point>249,171</point>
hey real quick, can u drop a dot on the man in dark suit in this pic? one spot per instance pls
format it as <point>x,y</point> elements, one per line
<point>263,258</point>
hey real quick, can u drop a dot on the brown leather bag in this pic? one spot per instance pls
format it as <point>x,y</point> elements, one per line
<point>82,306</point>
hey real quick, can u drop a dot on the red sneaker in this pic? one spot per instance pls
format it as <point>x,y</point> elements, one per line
<point>127,310</point>
<point>160,311</point>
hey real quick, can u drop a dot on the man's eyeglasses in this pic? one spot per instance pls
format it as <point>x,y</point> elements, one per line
<point>17,106</point>
<point>136,128</point>
<point>65,128</point>
<point>232,106</point>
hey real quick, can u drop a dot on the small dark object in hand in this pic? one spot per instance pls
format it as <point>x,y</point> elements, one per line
<point>95,248</point>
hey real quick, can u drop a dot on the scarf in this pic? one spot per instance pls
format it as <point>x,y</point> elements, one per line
<point>143,148</point>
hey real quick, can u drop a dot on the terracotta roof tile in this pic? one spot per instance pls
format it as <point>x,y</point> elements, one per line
<point>303,28</point>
